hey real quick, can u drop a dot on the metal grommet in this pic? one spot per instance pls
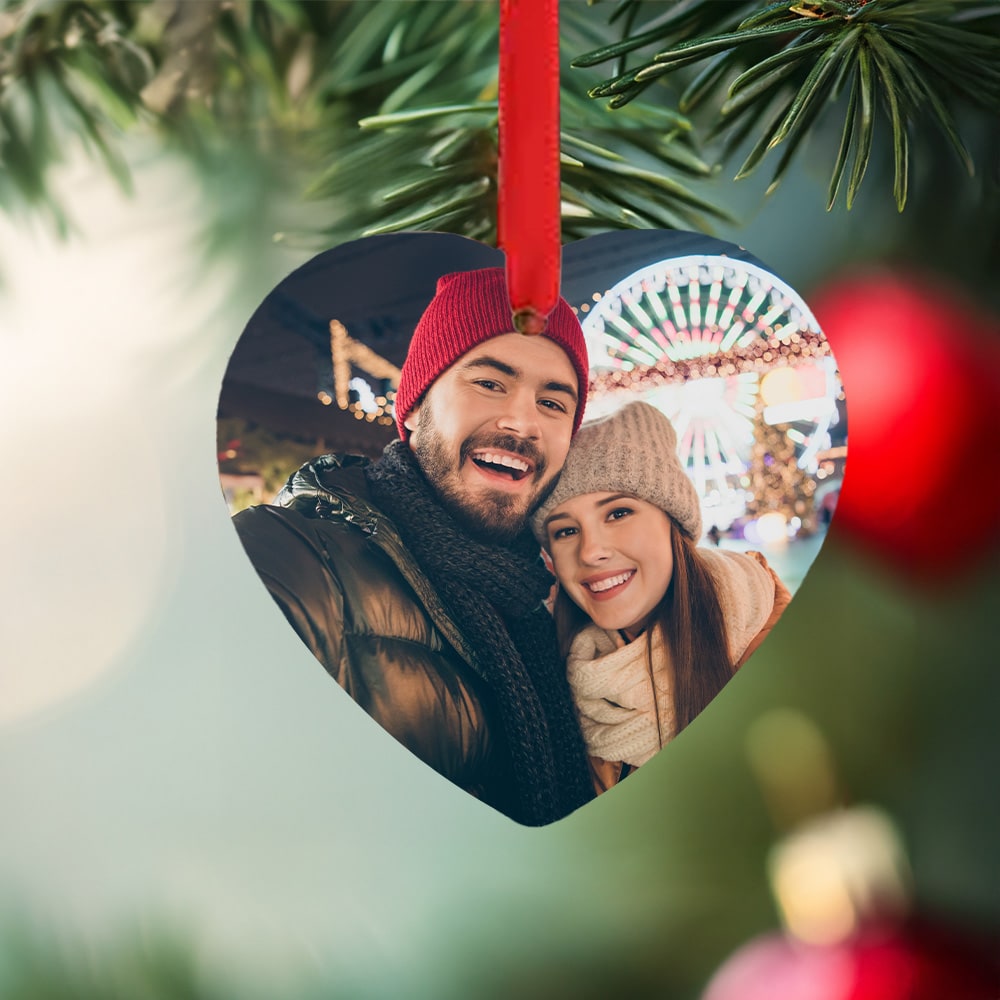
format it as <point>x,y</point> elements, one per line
<point>530,321</point>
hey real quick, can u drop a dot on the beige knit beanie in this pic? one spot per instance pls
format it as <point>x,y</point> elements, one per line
<point>633,450</point>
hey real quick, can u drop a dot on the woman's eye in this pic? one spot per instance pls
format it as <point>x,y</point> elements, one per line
<point>618,513</point>
<point>562,533</point>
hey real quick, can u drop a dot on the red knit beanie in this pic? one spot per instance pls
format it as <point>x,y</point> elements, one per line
<point>468,308</point>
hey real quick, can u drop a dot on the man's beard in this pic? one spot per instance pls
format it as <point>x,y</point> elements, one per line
<point>497,516</point>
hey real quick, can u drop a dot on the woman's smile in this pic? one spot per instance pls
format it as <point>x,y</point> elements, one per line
<point>605,587</point>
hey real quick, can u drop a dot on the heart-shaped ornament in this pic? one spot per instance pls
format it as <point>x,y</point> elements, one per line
<point>403,467</point>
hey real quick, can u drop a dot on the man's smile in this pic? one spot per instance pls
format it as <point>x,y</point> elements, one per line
<point>502,464</point>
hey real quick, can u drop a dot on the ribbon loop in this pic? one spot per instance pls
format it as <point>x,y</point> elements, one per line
<point>528,183</point>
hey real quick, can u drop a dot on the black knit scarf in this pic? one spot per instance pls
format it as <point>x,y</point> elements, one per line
<point>495,594</point>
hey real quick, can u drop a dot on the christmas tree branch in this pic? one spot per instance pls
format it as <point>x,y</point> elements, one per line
<point>906,62</point>
<point>386,109</point>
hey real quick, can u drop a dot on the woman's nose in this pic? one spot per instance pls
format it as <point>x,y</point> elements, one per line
<point>593,547</point>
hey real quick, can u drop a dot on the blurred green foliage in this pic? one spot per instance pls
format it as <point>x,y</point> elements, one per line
<point>646,891</point>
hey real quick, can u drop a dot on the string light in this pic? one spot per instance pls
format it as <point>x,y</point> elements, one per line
<point>789,348</point>
<point>345,351</point>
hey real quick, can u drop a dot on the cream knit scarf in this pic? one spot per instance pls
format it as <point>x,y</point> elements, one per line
<point>620,718</point>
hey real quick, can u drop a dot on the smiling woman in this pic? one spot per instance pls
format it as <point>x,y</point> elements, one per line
<point>620,531</point>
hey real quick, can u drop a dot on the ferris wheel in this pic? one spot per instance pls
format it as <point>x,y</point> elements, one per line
<point>718,344</point>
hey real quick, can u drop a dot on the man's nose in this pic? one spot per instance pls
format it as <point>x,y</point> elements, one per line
<point>520,415</point>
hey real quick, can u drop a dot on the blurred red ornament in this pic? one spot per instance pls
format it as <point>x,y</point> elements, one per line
<point>912,962</point>
<point>921,375</point>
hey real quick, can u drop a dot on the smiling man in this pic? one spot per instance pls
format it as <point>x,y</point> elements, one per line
<point>415,580</point>
<point>511,404</point>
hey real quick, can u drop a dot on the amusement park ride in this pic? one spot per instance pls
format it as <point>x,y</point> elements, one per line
<point>732,355</point>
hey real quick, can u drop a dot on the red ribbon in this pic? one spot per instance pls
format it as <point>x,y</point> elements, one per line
<point>528,197</point>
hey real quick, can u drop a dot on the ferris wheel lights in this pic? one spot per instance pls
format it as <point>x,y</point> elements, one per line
<point>701,353</point>
<point>658,307</point>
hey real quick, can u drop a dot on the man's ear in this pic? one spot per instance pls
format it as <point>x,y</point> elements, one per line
<point>412,420</point>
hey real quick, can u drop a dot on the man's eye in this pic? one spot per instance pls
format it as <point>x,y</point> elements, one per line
<point>488,383</point>
<point>553,404</point>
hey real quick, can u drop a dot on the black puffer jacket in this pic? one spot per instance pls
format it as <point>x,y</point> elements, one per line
<point>340,572</point>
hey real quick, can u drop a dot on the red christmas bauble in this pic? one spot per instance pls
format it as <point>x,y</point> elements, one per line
<point>910,962</point>
<point>921,374</point>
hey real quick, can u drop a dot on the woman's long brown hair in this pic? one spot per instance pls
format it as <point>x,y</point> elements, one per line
<point>689,617</point>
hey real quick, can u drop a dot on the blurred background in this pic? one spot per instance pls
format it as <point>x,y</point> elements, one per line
<point>191,808</point>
